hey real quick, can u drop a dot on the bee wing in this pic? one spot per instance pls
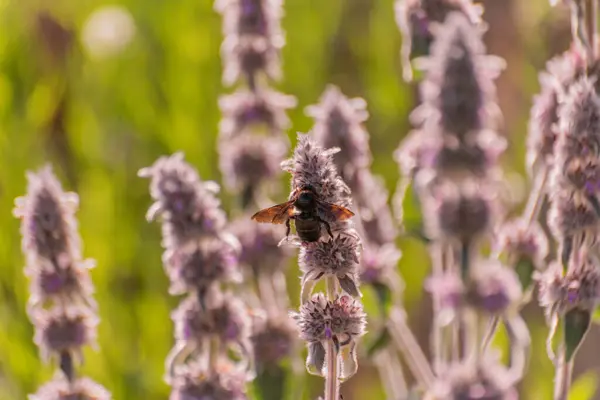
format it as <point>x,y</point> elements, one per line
<point>332,212</point>
<point>277,214</point>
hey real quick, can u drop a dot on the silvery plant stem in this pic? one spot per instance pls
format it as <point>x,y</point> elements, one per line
<point>331,378</point>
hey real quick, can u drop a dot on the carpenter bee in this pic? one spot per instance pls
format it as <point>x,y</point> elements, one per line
<point>308,212</point>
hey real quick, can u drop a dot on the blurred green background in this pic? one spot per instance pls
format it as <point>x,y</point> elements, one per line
<point>100,94</point>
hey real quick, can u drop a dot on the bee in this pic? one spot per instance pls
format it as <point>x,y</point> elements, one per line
<point>308,211</point>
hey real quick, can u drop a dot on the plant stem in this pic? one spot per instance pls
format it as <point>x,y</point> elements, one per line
<point>536,196</point>
<point>579,27</point>
<point>490,332</point>
<point>390,372</point>
<point>595,33</point>
<point>562,380</point>
<point>408,345</point>
<point>331,378</point>
<point>437,255</point>
<point>267,295</point>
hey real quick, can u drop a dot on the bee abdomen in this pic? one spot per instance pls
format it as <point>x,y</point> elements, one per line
<point>308,230</point>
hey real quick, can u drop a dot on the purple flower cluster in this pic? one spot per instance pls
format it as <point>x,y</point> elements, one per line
<point>561,72</point>
<point>252,141</point>
<point>61,305</point>
<point>339,123</point>
<point>417,19</point>
<point>333,321</point>
<point>199,256</point>
<point>575,175</point>
<point>570,289</point>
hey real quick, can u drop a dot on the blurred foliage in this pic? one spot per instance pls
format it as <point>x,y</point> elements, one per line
<point>100,98</point>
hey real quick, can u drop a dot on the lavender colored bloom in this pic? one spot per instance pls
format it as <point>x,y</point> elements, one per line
<point>81,389</point>
<point>561,72</point>
<point>248,57</point>
<point>578,289</point>
<point>376,218</point>
<point>319,320</point>
<point>461,213</point>
<point>379,264</point>
<point>416,152</point>
<point>416,17</point>
<point>223,383</point>
<point>228,319</point>
<point>260,248</point>
<point>313,166</point>
<point>579,174</point>
<point>247,110</point>
<point>338,123</point>
<point>48,223</point>
<point>572,214</point>
<point>493,288</point>
<point>61,306</point>
<point>579,122</point>
<point>523,240</point>
<point>198,264</point>
<point>251,17</point>
<point>187,205</point>
<point>337,256</point>
<point>273,340</point>
<point>459,94</point>
<point>71,285</point>
<point>249,160</point>
<point>64,330</point>
<point>485,380</point>
<point>449,290</point>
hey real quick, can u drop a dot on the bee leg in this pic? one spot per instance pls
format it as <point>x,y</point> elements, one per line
<point>288,227</point>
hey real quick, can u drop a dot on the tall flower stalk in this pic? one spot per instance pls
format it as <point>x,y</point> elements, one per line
<point>200,257</point>
<point>329,322</point>
<point>563,159</point>
<point>61,305</point>
<point>252,144</point>
<point>451,161</point>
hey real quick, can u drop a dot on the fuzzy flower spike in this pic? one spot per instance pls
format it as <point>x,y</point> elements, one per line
<point>330,323</point>
<point>415,19</point>
<point>61,305</point>
<point>200,256</point>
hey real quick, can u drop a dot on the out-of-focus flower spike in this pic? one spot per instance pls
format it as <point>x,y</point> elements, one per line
<point>458,94</point>
<point>415,19</point>
<point>246,110</point>
<point>226,382</point>
<point>48,228</point>
<point>187,205</point>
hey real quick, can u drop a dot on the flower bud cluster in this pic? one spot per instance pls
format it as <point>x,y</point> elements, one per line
<point>61,305</point>
<point>200,255</point>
